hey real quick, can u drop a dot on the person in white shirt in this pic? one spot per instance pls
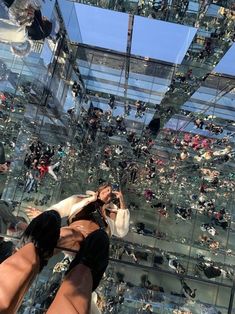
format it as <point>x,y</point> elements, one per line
<point>91,221</point>
<point>14,33</point>
<point>21,22</point>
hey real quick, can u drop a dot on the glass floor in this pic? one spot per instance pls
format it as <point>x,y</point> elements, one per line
<point>162,132</point>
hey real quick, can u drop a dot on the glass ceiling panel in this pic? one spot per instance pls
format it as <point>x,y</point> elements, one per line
<point>95,26</point>
<point>108,76</point>
<point>70,20</point>
<point>206,94</point>
<point>213,10</point>
<point>102,28</point>
<point>227,64</point>
<point>47,8</point>
<point>209,110</point>
<point>161,40</point>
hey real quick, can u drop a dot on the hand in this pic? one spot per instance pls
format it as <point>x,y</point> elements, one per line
<point>120,197</point>
<point>118,194</point>
<point>32,212</point>
<point>92,195</point>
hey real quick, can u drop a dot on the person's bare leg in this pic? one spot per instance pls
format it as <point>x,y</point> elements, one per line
<point>74,295</point>
<point>36,247</point>
<point>17,273</point>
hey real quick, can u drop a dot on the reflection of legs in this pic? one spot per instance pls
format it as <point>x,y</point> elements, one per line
<point>27,185</point>
<point>55,165</point>
<point>51,170</point>
<point>17,273</point>
<point>52,173</point>
<point>74,294</point>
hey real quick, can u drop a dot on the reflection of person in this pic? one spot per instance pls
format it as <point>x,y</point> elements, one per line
<point>26,23</point>
<point>92,220</point>
<point>4,165</point>
<point>187,291</point>
<point>2,158</point>
<point>32,177</point>
<point>43,169</point>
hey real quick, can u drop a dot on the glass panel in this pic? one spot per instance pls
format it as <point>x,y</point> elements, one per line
<point>110,27</point>
<point>225,66</point>
<point>67,8</point>
<point>163,133</point>
<point>165,41</point>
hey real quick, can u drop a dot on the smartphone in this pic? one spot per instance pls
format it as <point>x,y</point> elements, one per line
<point>115,187</point>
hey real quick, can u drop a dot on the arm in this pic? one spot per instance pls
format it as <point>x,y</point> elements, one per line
<point>121,223</point>
<point>119,220</point>
<point>119,195</point>
<point>76,208</point>
<point>66,207</point>
<point>63,207</point>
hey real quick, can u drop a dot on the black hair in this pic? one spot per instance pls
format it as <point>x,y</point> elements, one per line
<point>47,28</point>
<point>39,29</point>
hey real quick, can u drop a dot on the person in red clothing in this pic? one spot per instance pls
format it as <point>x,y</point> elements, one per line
<point>44,169</point>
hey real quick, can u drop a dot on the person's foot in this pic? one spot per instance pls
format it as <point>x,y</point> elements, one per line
<point>43,232</point>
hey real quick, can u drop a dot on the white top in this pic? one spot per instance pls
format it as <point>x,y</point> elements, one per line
<point>12,33</point>
<point>118,227</point>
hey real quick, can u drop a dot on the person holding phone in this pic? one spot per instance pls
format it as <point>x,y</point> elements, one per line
<point>92,219</point>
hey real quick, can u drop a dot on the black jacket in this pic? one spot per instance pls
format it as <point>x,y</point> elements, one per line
<point>35,30</point>
<point>2,154</point>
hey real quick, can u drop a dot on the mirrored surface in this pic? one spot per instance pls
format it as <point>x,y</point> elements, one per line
<point>73,116</point>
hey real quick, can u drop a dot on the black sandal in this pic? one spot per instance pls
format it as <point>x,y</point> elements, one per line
<point>44,232</point>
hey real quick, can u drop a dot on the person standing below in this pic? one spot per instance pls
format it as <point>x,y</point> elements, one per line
<point>187,291</point>
<point>92,220</point>
<point>3,163</point>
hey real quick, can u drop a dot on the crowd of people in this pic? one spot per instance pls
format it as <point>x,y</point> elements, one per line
<point>145,167</point>
<point>133,163</point>
<point>39,162</point>
<point>139,168</point>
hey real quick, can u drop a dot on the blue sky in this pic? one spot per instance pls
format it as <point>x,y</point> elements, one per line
<point>108,29</point>
<point>151,38</point>
<point>227,63</point>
